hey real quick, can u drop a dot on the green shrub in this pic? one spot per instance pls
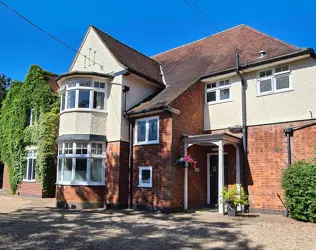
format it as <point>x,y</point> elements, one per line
<point>299,184</point>
<point>234,197</point>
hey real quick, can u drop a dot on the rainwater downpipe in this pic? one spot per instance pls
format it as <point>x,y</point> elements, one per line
<point>130,153</point>
<point>244,122</point>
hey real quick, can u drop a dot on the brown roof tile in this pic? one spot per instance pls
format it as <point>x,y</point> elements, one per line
<point>184,65</point>
<point>135,61</point>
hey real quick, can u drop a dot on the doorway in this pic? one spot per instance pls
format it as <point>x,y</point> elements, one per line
<point>213,175</point>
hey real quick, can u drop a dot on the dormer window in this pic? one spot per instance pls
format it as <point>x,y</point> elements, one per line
<point>274,80</point>
<point>83,94</point>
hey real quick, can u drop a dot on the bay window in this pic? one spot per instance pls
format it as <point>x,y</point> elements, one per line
<point>274,80</point>
<point>81,163</point>
<point>147,130</point>
<point>83,94</point>
<point>218,92</point>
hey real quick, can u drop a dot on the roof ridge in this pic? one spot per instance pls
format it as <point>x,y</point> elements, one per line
<point>124,44</point>
<point>272,37</point>
<point>183,45</point>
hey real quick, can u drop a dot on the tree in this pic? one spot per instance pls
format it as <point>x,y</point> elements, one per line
<point>4,85</point>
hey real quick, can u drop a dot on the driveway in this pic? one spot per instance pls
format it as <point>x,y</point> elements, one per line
<point>35,223</point>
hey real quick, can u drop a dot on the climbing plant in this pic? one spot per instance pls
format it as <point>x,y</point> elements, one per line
<point>16,134</point>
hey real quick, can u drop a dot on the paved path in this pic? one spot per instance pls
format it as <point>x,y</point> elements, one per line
<point>30,223</point>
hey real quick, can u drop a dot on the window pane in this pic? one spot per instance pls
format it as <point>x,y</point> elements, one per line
<point>60,148</point>
<point>262,74</point>
<point>224,94</point>
<point>278,70</point>
<point>96,170</point>
<point>60,165</point>
<point>67,174</point>
<point>71,99</point>
<point>265,86</point>
<point>62,102</point>
<point>285,68</point>
<point>33,169</point>
<point>268,72</point>
<point>96,84</point>
<point>224,83</point>
<point>102,85</point>
<point>81,169</point>
<point>29,173</point>
<point>211,85</point>
<point>25,172</point>
<point>145,176</point>
<point>282,82</point>
<point>141,131</point>
<point>98,101</point>
<point>100,149</point>
<point>84,83</point>
<point>153,133</point>
<point>211,96</point>
<point>68,148</point>
<point>84,97</point>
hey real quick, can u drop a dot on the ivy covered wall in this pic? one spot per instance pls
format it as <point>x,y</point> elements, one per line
<point>16,134</point>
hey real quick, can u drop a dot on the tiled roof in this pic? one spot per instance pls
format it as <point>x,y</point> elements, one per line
<point>184,65</point>
<point>135,61</point>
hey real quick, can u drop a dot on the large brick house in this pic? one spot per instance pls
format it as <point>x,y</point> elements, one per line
<point>126,118</point>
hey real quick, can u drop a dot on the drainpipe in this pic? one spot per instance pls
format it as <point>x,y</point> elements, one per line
<point>288,133</point>
<point>125,90</point>
<point>244,121</point>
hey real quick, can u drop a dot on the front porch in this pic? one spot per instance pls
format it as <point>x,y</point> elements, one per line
<point>218,164</point>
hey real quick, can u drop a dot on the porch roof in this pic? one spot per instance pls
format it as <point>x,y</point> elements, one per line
<point>209,139</point>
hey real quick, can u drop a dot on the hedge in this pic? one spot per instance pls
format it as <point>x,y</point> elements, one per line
<point>299,184</point>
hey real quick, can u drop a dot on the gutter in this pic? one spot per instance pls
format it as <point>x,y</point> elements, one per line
<point>154,110</point>
<point>244,122</point>
<point>307,51</point>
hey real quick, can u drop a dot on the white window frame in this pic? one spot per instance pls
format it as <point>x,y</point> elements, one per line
<point>273,78</point>
<point>89,156</point>
<point>33,157</point>
<point>65,89</point>
<point>147,185</point>
<point>147,119</point>
<point>217,90</point>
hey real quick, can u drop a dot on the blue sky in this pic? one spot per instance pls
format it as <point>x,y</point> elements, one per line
<point>148,26</point>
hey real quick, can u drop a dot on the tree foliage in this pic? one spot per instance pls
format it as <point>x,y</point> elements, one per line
<point>299,184</point>
<point>16,134</point>
<point>4,85</point>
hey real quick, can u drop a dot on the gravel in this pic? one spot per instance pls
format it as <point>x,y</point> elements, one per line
<point>28,223</point>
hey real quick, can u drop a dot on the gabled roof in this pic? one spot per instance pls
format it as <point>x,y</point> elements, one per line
<point>135,61</point>
<point>185,65</point>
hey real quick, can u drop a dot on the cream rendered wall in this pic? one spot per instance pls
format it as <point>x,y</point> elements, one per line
<point>83,123</point>
<point>139,90</point>
<point>112,124</point>
<point>285,106</point>
<point>226,114</point>
<point>274,108</point>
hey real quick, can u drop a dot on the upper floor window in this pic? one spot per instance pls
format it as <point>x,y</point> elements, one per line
<point>81,163</point>
<point>274,80</point>
<point>147,130</point>
<point>83,94</point>
<point>29,172</point>
<point>218,91</point>
<point>31,118</point>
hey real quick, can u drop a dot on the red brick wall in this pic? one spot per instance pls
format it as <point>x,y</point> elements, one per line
<point>6,184</point>
<point>157,156</point>
<point>29,189</point>
<point>80,196</point>
<point>190,121</point>
<point>117,173</point>
<point>268,157</point>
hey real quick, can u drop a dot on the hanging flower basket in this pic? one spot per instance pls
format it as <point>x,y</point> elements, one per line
<point>186,162</point>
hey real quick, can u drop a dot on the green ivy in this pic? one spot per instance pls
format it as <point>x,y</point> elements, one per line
<point>15,134</point>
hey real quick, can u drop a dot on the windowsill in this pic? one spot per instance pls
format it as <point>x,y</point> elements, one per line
<point>32,181</point>
<point>83,110</point>
<point>147,143</point>
<point>218,102</point>
<point>273,93</point>
<point>142,186</point>
<point>65,183</point>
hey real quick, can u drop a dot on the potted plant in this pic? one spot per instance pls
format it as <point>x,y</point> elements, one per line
<point>186,162</point>
<point>232,197</point>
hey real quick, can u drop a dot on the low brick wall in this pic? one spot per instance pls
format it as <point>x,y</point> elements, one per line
<point>30,189</point>
<point>80,196</point>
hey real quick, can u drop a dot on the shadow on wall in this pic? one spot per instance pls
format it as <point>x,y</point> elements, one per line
<point>97,229</point>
